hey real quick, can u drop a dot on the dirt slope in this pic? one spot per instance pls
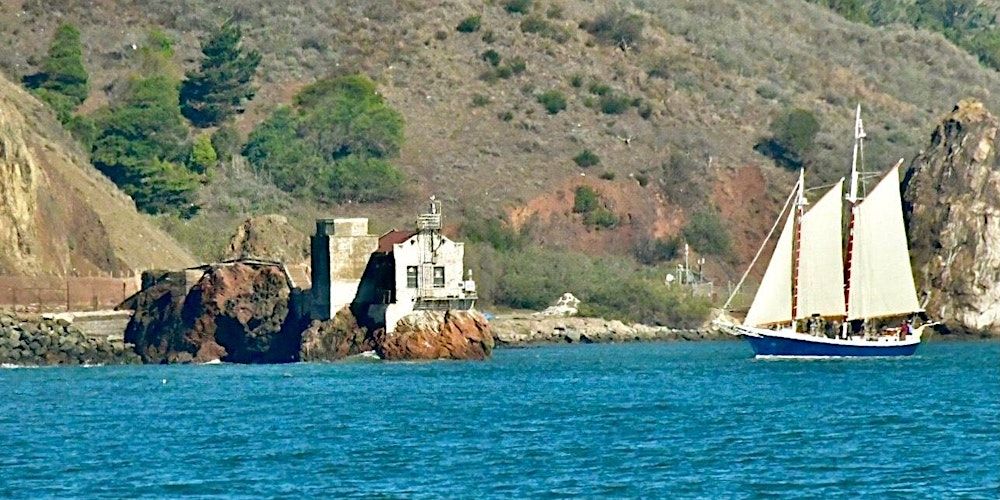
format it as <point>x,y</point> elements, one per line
<point>58,215</point>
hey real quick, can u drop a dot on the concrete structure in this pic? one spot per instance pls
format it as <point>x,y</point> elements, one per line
<point>385,278</point>
<point>341,249</point>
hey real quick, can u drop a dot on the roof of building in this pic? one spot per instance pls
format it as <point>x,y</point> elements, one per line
<point>393,237</point>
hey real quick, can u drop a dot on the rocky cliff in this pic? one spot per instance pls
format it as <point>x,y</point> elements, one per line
<point>58,215</point>
<point>951,197</point>
<point>268,237</point>
<point>437,335</point>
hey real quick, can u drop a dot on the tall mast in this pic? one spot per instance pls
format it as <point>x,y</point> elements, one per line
<point>800,203</point>
<point>852,201</point>
<point>859,137</point>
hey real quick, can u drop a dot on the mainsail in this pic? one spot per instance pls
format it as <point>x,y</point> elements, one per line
<point>881,282</point>
<point>821,268</point>
<point>773,301</point>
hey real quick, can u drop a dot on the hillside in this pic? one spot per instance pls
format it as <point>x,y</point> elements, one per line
<point>57,214</point>
<point>708,79</point>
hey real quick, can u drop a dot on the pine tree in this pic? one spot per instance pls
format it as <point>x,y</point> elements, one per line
<point>63,81</point>
<point>223,82</point>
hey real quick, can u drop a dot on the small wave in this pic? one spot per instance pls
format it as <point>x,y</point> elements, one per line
<point>215,361</point>
<point>11,366</point>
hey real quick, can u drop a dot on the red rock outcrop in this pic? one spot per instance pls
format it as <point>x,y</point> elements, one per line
<point>236,312</point>
<point>437,335</point>
<point>334,339</point>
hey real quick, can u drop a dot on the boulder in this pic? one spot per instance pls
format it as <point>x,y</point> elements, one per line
<point>235,312</point>
<point>437,335</point>
<point>334,339</point>
<point>268,237</point>
<point>951,198</point>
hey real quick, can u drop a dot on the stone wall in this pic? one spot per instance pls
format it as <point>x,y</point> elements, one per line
<point>37,341</point>
<point>532,330</point>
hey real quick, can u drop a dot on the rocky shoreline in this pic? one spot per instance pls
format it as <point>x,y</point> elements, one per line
<point>37,342</point>
<point>530,330</point>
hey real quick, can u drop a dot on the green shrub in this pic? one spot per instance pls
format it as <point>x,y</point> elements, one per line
<point>203,156</point>
<point>598,88</point>
<point>479,100</point>
<point>585,200</point>
<point>222,83</point>
<point>614,103</point>
<point>506,116</point>
<point>539,26</point>
<point>767,91</point>
<point>493,231</point>
<point>608,176</point>
<point>334,144</point>
<point>642,179</point>
<point>63,82</point>
<point>491,56</point>
<point>517,65</point>
<point>226,142</point>
<point>576,80</point>
<point>469,24</point>
<point>653,251</point>
<point>587,158</point>
<point>553,100</point>
<point>793,138</point>
<point>517,6</point>
<point>601,218</point>
<point>617,27</point>
<point>706,233</point>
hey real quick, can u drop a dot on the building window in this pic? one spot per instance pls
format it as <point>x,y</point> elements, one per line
<point>411,276</point>
<point>439,277</point>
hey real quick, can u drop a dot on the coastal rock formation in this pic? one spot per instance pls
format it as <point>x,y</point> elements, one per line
<point>334,339</point>
<point>237,312</point>
<point>437,335</point>
<point>268,237</point>
<point>952,204</point>
<point>521,331</point>
<point>58,214</point>
<point>55,342</point>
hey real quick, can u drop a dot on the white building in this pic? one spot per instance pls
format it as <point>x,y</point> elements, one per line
<point>405,271</point>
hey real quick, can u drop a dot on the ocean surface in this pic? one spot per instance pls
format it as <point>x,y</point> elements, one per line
<point>636,420</point>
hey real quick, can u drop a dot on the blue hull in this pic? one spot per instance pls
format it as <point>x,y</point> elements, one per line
<point>777,346</point>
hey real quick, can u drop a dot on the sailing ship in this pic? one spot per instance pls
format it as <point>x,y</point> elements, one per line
<point>823,297</point>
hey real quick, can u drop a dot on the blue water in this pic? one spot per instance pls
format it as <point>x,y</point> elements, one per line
<point>653,420</point>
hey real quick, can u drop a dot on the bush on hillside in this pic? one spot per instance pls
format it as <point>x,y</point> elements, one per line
<point>226,142</point>
<point>600,218</point>
<point>793,138</point>
<point>334,144</point>
<point>618,27</point>
<point>542,27</point>
<point>614,103</point>
<point>491,56</point>
<point>493,231</point>
<point>706,233</point>
<point>222,83</point>
<point>203,156</point>
<point>585,200</point>
<point>652,251</point>
<point>469,24</point>
<point>63,81</point>
<point>553,100</point>
<point>517,6</point>
<point>586,158</point>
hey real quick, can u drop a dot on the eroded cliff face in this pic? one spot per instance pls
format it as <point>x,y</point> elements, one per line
<point>20,178</point>
<point>951,197</point>
<point>59,215</point>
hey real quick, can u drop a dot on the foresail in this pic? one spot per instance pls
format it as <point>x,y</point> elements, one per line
<point>881,281</point>
<point>773,302</point>
<point>821,268</point>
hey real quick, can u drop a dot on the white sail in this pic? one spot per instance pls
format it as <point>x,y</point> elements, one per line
<point>773,302</point>
<point>821,268</point>
<point>881,281</point>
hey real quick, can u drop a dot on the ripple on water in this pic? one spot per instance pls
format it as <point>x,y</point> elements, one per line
<point>644,420</point>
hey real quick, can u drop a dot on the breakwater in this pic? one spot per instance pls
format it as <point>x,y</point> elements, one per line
<point>47,341</point>
<point>529,330</point>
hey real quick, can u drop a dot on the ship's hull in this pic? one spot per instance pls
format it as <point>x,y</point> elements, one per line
<point>788,344</point>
